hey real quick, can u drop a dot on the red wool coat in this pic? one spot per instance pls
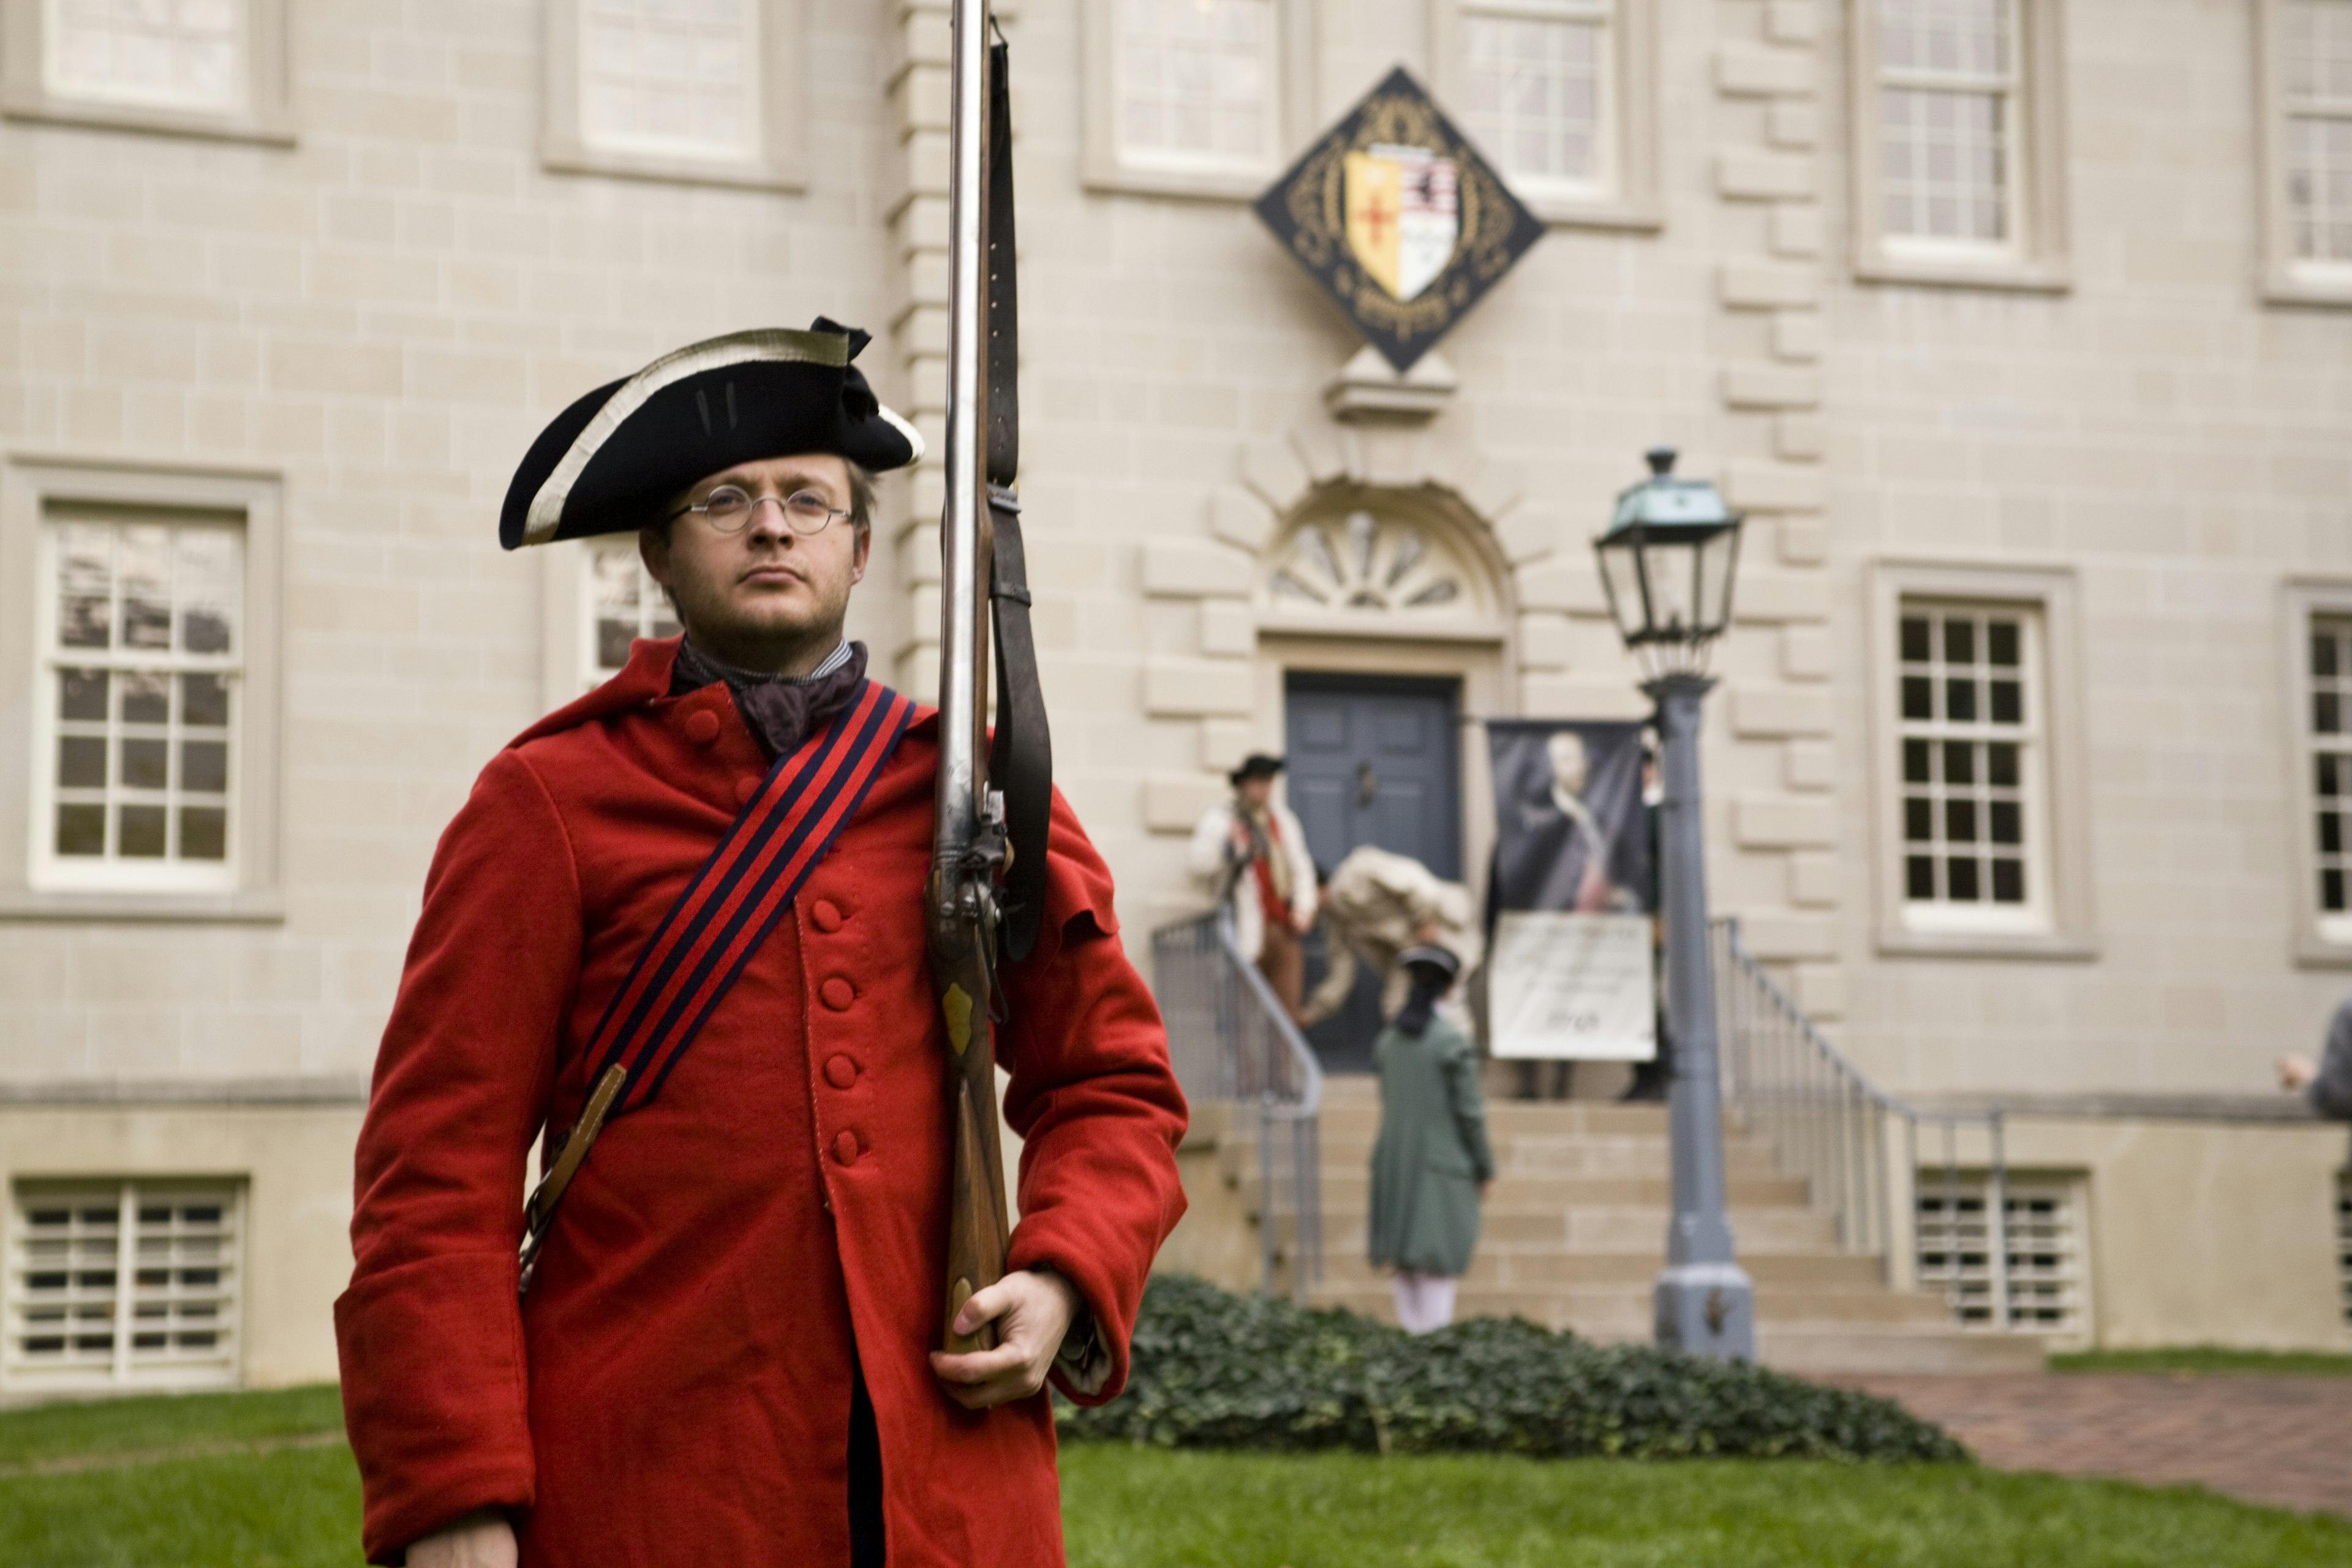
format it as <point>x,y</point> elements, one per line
<point>675,1389</point>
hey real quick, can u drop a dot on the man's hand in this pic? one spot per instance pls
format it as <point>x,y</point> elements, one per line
<point>1032,1311</point>
<point>2295,1072</point>
<point>482,1539</point>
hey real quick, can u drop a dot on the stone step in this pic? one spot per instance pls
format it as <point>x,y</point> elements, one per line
<point>1352,1189</point>
<point>1863,1306</point>
<point>1597,1228</point>
<point>1839,1347</point>
<point>1340,1119</point>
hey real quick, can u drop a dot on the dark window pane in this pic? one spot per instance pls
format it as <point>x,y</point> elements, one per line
<point>1960,821</point>
<point>1959,763</point>
<point>105,1216</point>
<point>96,1278</point>
<point>1960,641</point>
<point>203,699</point>
<point>1918,648</point>
<point>202,1214</point>
<point>2331,833</point>
<point>203,1341</point>
<point>1962,877</point>
<point>204,631</point>
<point>1916,762</point>
<point>139,831</point>
<point>199,1276</point>
<point>612,639</point>
<point>2008,822</point>
<point>83,623</point>
<point>203,832</point>
<point>151,1341</point>
<point>146,697</point>
<point>93,1342</point>
<point>146,764</point>
<point>1961,701</point>
<point>2000,765</point>
<point>1918,696</point>
<point>2009,881</point>
<point>81,694</point>
<point>1918,877</point>
<point>204,766</point>
<point>81,830</point>
<point>2331,891</point>
<point>2323,653</point>
<point>2000,644</point>
<point>146,622</point>
<point>2326,713</point>
<point>2008,702</point>
<point>1918,819</point>
<point>155,1214</point>
<point>81,762</point>
<point>2327,774</point>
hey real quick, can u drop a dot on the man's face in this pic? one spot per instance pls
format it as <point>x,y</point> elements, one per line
<point>1565,751</point>
<point>1257,791</point>
<point>749,594</point>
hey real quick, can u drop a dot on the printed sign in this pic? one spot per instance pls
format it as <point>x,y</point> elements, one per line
<point>1569,973</point>
<point>1399,219</point>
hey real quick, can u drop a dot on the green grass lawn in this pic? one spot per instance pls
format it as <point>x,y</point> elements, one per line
<point>1128,1508</point>
<point>2201,1360</point>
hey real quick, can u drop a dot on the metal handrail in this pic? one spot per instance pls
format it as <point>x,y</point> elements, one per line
<point>1232,1040</point>
<point>1829,1125</point>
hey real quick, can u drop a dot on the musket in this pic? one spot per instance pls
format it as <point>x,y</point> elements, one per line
<point>994,798</point>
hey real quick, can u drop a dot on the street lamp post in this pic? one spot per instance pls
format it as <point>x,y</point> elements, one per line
<point>1666,563</point>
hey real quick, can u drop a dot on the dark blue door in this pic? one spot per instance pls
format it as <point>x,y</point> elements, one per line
<point>1373,760</point>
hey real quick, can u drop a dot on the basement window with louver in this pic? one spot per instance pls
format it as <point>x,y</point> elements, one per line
<point>2344,1239</point>
<point>2042,1284</point>
<point>121,1285</point>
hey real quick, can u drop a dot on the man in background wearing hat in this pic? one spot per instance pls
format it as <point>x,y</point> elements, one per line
<point>1253,851</point>
<point>724,1354</point>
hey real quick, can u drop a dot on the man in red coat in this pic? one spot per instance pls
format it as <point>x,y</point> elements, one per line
<point>724,1355</point>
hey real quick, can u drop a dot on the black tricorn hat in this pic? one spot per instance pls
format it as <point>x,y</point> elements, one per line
<point>1256,765</point>
<point>1439,961</point>
<point>608,462</point>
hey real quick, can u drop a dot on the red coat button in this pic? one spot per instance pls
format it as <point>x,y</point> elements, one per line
<point>745,788</point>
<point>825,915</point>
<point>840,1072</point>
<point>838,994</point>
<point>844,1148</point>
<point>702,728</point>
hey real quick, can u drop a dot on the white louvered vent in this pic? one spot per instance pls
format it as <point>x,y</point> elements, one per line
<point>2043,1282</point>
<point>129,1285</point>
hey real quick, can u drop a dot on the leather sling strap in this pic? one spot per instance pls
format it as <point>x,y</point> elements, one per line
<point>1021,754</point>
<point>728,906</point>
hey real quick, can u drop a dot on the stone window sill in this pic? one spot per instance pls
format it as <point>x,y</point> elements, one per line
<point>270,131</point>
<point>217,908</point>
<point>2051,946</point>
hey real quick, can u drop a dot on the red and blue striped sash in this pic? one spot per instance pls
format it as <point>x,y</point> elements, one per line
<point>740,891</point>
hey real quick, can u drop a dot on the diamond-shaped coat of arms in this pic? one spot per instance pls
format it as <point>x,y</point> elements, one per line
<point>1399,219</point>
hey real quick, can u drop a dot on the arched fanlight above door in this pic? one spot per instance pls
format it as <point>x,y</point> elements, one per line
<point>1365,567</point>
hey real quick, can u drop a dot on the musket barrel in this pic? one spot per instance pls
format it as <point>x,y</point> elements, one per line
<point>962,563</point>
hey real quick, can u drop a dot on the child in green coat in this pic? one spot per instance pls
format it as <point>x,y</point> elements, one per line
<point>1430,1164</point>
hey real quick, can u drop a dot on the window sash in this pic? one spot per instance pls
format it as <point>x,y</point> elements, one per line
<point>2325,724</point>
<point>1906,198</point>
<point>116,59</point>
<point>599,621</point>
<point>140,1285</point>
<point>113,871</point>
<point>705,89</point>
<point>1978,795</point>
<point>1497,128</point>
<point>1135,90</point>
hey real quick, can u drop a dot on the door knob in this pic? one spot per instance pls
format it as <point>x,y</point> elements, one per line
<point>1368,785</point>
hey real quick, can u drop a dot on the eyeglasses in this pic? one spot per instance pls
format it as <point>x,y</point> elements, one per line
<point>729,508</point>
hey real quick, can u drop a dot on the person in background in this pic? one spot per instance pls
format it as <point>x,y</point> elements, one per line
<point>1432,1164</point>
<point>1375,905</point>
<point>2327,1082</point>
<point>1252,850</point>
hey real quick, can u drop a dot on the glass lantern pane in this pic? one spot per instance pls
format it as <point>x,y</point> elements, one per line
<point>1718,558</point>
<point>1670,571</point>
<point>1621,578</point>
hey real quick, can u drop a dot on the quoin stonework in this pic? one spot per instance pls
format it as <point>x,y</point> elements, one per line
<point>2021,329</point>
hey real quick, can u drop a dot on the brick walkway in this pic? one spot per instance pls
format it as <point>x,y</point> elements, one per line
<point>2284,1441</point>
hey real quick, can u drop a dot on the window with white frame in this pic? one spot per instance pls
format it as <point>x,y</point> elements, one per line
<point>670,76</point>
<point>1947,94</point>
<point>624,602</point>
<point>135,702</point>
<point>121,1285</point>
<point>2028,1275</point>
<point>2318,132</point>
<point>1971,715</point>
<point>1195,85</point>
<point>1535,86</point>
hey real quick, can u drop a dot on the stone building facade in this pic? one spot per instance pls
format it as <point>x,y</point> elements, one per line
<point>2022,330</point>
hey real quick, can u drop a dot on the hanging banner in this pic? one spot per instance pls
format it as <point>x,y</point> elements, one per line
<point>1569,972</point>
